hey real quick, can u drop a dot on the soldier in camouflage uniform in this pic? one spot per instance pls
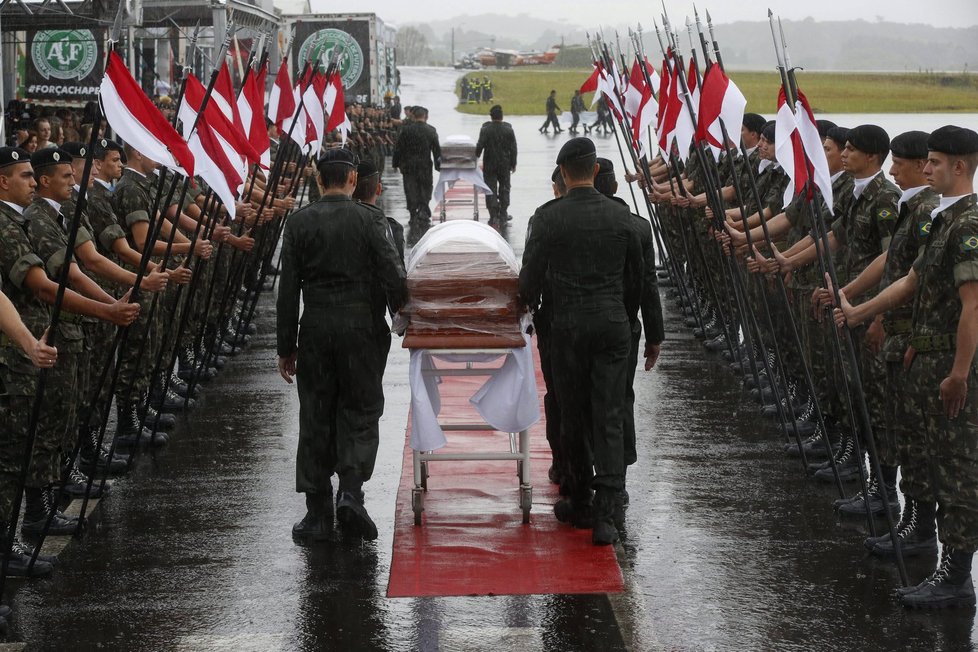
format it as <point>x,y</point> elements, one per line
<point>333,253</point>
<point>497,146</point>
<point>942,378</point>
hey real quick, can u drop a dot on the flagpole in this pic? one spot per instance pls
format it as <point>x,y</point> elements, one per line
<point>818,221</point>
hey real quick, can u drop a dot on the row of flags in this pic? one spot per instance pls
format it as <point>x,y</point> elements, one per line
<point>715,103</point>
<point>224,134</point>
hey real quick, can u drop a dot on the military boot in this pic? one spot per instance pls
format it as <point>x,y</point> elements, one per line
<point>180,388</point>
<point>604,532</point>
<point>877,504</point>
<point>19,564</point>
<point>130,433</point>
<point>352,514</point>
<point>317,523</point>
<point>576,511</point>
<point>845,460</point>
<point>949,587</point>
<point>917,532</point>
<point>39,503</point>
<point>166,420</point>
<point>77,485</point>
<point>93,460</point>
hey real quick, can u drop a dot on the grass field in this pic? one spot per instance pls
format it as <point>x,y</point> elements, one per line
<point>524,92</point>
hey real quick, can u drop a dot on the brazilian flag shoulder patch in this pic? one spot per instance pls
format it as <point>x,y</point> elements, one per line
<point>924,228</point>
<point>969,243</point>
<point>885,215</point>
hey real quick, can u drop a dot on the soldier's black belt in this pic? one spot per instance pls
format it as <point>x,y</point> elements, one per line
<point>928,343</point>
<point>897,326</point>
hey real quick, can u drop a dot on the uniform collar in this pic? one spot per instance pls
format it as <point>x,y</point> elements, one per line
<point>909,194</point>
<point>15,207</point>
<point>53,204</point>
<point>946,203</point>
<point>105,184</point>
<point>835,177</point>
<point>859,185</point>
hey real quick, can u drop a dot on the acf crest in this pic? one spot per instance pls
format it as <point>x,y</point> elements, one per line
<point>64,53</point>
<point>320,45</point>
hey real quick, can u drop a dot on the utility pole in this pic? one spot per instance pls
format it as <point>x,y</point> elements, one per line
<point>452,62</point>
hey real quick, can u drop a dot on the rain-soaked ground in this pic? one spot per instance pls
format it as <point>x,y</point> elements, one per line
<point>729,546</point>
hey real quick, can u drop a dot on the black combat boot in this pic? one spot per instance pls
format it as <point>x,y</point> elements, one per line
<point>93,460</point>
<point>845,461</point>
<point>575,508</point>
<point>38,504</point>
<point>604,532</point>
<point>166,421</point>
<point>19,564</point>
<point>317,524</point>
<point>351,513</point>
<point>950,586</point>
<point>877,505</point>
<point>917,532</point>
<point>130,433</point>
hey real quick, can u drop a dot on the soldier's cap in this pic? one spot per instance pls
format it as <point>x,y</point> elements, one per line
<point>954,141</point>
<point>496,112</point>
<point>754,122</point>
<point>13,156</point>
<point>103,146</point>
<point>50,156</point>
<point>339,155</point>
<point>767,132</point>
<point>838,135</point>
<point>419,111</point>
<point>870,139</point>
<point>823,127</point>
<point>366,169</point>
<point>76,149</point>
<point>910,144</point>
<point>576,149</point>
<point>555,177</point>
<point>605,166</point>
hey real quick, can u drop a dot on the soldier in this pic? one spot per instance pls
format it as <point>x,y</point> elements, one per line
<point>651,311</point>
<point>416,149</point>
<point>552,110</point>
<point>942,376</point>
<point>497,146</point>
<point>591,251</point>
<point>576,109</point>
<point>334,252</point>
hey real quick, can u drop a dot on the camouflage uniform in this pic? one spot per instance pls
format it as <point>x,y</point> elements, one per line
<point>132,200</point>
<point>904,443</point>
<point>18,376</point>
<point>865,231</point>
<point>949,260</point>
<point>58,426</point>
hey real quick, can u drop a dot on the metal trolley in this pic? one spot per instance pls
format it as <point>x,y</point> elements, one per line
<point>519,443</point>
<point>458,163</point>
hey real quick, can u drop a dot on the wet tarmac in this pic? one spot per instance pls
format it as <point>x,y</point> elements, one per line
<point>729,546</point>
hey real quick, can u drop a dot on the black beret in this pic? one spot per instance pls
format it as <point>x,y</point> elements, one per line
<point>910,144</point>
<point>339,155</point>
<point>870,139</point>
<point>823,127</point>
<point>955,141</point>
<point>768,131</point>
<point>838,135</point>
<point>605,166</point>
<point>576,149</point>
<point>754,122</point>
<point>76,149</point>
<point>366,169</point>
<point>496,112</point>
<point>44,158</point>
<point>13,156</point>
<point>103,146</point>
<point>555,177</point>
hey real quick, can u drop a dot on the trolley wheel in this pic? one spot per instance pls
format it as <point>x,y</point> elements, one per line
<point>526,501</point>
<point>417,504</point>
<point>424,476</point>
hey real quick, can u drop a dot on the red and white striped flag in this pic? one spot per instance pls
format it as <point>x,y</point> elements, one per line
<point>281,99</point>
<point>135,118</point>
<point>253,114</point>
<point>334,104</point>
<point>814,150</point>
<point>720,101</point>
<point>789,149</point>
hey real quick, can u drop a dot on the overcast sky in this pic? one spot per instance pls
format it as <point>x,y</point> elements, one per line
<point>941,13</point>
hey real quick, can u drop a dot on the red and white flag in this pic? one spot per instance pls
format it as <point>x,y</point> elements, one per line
<point>135,118</point>
<point>281,99</point>
<point>312,104</point>
<point>334,104</point>
<point>607,87</point>
<point>297,126</point>
<point>812,141</point>
<point>678,126</point>
<point>789,150</point>
<point>635,89</point>
<point>663,96</point>
<point>720,101</point>
<point>253,114</point>
<point>224,97</point>
<point>591,84</point>
<point>640,123</point>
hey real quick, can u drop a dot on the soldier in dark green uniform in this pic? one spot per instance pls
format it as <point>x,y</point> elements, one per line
<point>587,247</point>
<point>417,148</point>
<point>942,378</point>
<point>651,312</point>
<point>333,252</point>
<point>497,147</point>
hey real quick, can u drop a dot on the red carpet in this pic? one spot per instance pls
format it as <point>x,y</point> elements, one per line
<point>473,541</point>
